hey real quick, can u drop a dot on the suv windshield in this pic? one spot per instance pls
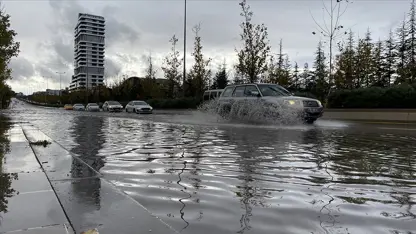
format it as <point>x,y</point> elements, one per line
<point>92,104</point>
<point>78,105</point>
<point>113,103</point>
<point>140,103</point>
<point>273,90</point>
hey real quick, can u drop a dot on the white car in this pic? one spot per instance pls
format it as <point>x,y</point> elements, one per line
<point>78,107</point>
<point>139,107</point>
<point>92,107</point>
<point>112,106</point>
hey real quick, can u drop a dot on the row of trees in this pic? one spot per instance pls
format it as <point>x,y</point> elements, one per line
<point>360,63</point>
<point>8,49</point>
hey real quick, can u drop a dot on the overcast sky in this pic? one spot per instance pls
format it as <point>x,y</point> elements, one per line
<point>136,28</point>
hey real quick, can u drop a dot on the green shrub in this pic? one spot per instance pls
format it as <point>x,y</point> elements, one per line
<point>400,96</point>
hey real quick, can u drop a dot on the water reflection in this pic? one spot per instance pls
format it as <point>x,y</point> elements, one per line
<point>87,133</point>
<point>252,179</point>
<point>6,191</point>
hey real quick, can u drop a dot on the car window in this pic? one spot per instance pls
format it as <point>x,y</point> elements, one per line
<point>228,91</point>
<point>272,90</point>
<point>113,103</point>
<point>249,89</point>
<point>140,103</point>
<point>239,91</point>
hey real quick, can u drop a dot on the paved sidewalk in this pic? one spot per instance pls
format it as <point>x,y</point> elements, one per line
<point>28,203</point>
<point>88,200</point>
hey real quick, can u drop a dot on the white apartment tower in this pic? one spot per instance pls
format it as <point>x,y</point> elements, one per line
<point>88,52</point>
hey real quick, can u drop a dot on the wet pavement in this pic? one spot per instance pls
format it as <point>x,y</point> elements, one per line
<point>200,175</point>
<point>27,202</point>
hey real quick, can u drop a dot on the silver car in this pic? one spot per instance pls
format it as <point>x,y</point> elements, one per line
<point>92,107</point>
<point>139,107</point>
<point>78,107</point>
<point>112,106</point>
<point>270,95</point>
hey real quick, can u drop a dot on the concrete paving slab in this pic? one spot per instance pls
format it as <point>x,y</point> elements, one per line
<point>95,203</point>
<point>30,210</point>
<point>20,158</point>
<point>59,164</point>
<point>57,229</point>
<point>28,182</point>
<point>16,135</point>
<point>34,134</point>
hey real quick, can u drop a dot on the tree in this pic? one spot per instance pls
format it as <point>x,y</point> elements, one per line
<point>253,57</point>
<point>377,65</point>
<point>402,72</point>
<point>171,65</point>
<point>148,87</point>
<point>200,73</point>
<point>9,48</point>
<point>411,43</point>
<point>389,56</point>
<point>333,30</point>
<point>305,76</point>
<point>294,81</point>
<point>319,85</point>
<point>344,76</point>
<point>221,78</point>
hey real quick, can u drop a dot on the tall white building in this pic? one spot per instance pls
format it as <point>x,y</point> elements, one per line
<point>88,52</point>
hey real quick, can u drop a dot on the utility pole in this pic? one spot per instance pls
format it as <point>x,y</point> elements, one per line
<point>184,51</point>
<point>60,86</point>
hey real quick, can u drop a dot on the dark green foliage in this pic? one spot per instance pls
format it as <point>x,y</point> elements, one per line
<point>400,96</point>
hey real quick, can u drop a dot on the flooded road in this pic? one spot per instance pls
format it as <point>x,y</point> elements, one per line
<point>202,176</point>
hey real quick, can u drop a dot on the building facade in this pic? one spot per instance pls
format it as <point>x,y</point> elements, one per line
<point>89,49</point>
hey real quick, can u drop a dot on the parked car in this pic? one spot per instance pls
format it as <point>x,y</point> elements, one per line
<point>274,95</point>
<point>212,94</point>
<point>68,107</point>
<point>112,106</point>
<point>139,107</point>
<point>79,107</point>
<point>92,107</point>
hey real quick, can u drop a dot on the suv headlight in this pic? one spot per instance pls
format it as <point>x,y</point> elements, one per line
<point>319,103</point>
<point>293,103</point>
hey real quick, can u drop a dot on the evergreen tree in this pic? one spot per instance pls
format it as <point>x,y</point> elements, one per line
<point>9,48</point>
<point>221,78</point>
<point>389,63</point>
<point>368,60</point>
<point>402,72</point>
<point>344,75</point>
<point>360,64</point>
<point>171,66</point>
<point>200,73</point>
<point>378,65</point>
<point>411,43</point>
<point>295,79</point>
<point>319,86</point>
<point>305,77</point>
<point>285,75</point>
<point>252,58</point>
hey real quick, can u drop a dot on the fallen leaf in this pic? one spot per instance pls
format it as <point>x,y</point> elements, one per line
<point>92,231</point>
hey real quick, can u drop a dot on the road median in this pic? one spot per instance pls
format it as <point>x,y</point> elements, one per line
<point>376,115</point>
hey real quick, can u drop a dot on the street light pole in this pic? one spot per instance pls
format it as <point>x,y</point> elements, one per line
<point>184,50</point>
<point>60,81</point>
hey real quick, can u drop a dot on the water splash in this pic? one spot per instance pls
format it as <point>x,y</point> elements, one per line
<point>253,112</point>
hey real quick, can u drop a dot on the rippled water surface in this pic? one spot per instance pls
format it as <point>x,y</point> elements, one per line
<point>206,177</point>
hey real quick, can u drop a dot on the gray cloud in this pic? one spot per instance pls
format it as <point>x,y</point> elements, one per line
<point>21,68</point>
<point>112,68</point>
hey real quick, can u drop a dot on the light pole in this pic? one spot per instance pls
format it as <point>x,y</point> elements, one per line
<point>184,50</point>
<point>60,80</point>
